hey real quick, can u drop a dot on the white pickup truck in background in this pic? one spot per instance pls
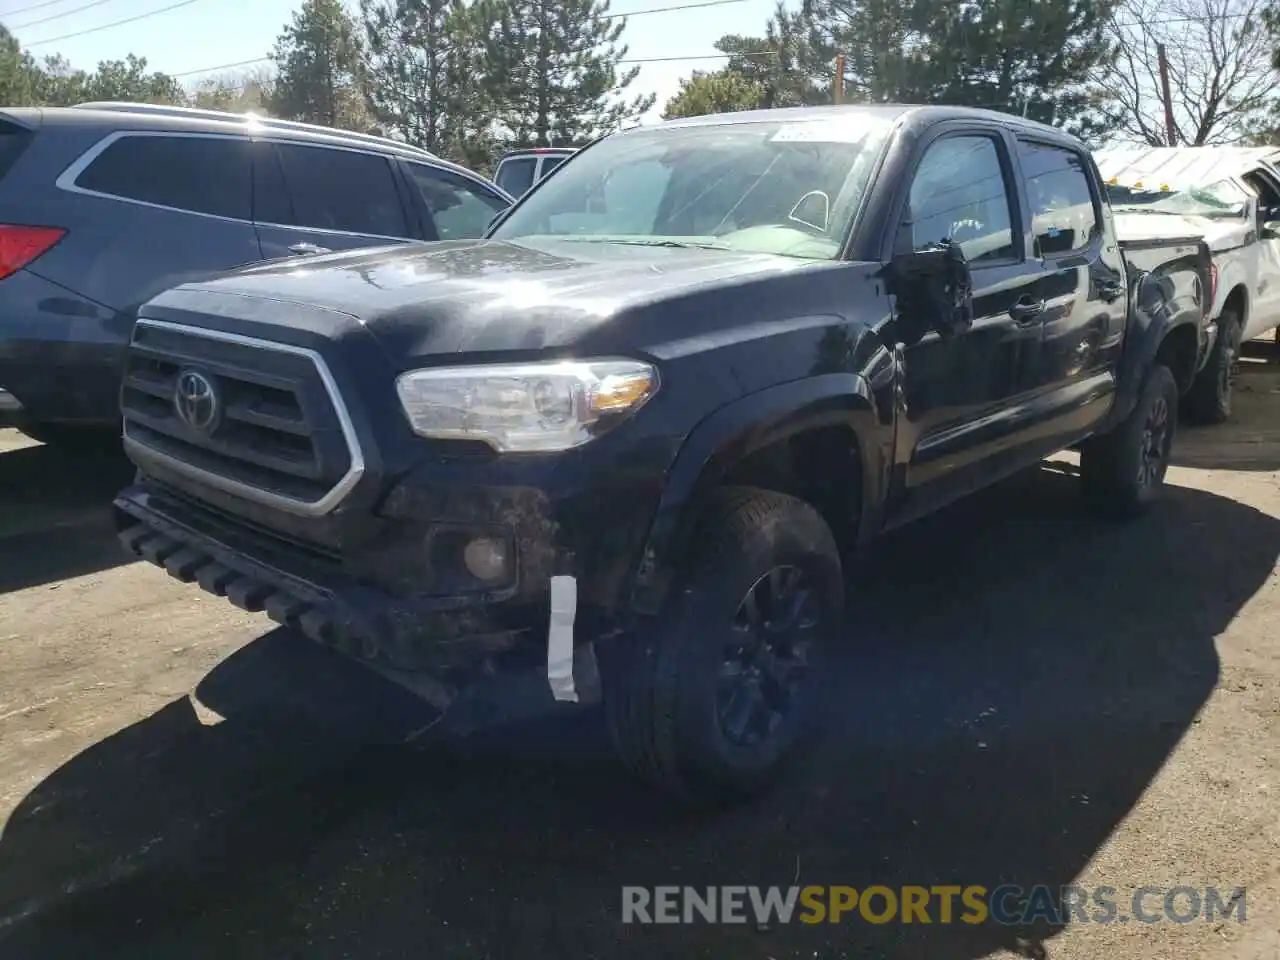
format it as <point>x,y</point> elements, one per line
<point>1231,197</point>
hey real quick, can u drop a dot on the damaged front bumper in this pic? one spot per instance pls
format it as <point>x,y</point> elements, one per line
<point>437,645</point>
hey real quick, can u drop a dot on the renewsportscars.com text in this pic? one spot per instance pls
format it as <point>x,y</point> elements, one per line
<point>974,904</point>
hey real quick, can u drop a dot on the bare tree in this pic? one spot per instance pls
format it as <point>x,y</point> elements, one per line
<point>1220,74</point>
<point>235,92</point>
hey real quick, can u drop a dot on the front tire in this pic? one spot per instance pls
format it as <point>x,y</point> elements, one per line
<point>714,700</point>
<point>1209,400</point>
<point>1122,473</point>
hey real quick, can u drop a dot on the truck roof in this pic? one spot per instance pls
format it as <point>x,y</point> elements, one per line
<point>910,113</point>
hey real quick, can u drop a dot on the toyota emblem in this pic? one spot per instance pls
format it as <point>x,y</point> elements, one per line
<point>195,400</point>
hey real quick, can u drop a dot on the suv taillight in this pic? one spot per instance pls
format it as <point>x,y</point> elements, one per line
<point>19,245</point>
<point>1213,288</point>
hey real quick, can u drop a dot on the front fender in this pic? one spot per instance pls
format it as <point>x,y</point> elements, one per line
<point>735,431</point>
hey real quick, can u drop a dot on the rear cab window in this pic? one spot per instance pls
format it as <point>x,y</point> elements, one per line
<point>1064,209</point>
<point>198,174</point>
<point>325,188</point>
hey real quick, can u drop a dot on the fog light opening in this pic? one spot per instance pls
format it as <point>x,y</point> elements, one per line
<point>486,558</point>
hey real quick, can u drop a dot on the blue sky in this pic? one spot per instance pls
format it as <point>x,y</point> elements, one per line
<point>207,33</point>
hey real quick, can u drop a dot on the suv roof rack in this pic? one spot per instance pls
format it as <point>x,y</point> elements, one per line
<point>199,113</point>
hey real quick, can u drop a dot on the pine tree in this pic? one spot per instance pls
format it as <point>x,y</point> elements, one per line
<point>18,73</point>
<point>424,76</point>
<point>723,91</point>
<point>554,70</point>
<point>790,70</point>
<point>1030,57</point>
<point>129,80</point>
<point>320,70</point>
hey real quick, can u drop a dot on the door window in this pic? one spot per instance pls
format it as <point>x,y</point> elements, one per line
<point>330,189</point>
<point>1064,214</point>
<point>959,194</point>
<point>549,164</point>
<point>516,176</point>
<point>460,208</point>
<point>200,174</point>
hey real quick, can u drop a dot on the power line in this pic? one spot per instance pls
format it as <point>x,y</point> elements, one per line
<point>679,6</point>
<point>34,6</point>
<point>116,23</point>
<point>220,67</point>
<point>634,13</point>
<point>58,16</point>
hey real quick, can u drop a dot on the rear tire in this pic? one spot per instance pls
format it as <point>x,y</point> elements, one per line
<point>722,693</point>
<point>1122,472</point>
<point>1209,400</point>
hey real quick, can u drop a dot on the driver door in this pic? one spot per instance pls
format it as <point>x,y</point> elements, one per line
<point>965,394</point>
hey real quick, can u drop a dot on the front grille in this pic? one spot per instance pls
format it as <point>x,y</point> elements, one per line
<point>279,435</point>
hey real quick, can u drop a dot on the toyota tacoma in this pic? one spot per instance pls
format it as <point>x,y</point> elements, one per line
<point>635,432</point>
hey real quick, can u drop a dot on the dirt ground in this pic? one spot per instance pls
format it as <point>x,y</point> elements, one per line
<point>1029,696</point>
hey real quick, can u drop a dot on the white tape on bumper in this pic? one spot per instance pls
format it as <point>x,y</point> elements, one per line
<point>564,607</point>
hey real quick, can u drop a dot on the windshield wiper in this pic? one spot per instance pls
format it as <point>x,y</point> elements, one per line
<point>651,242</point>
<point>666,242</point>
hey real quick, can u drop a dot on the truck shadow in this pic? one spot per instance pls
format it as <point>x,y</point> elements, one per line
<point>55,519</point>
<point>1017,675</point>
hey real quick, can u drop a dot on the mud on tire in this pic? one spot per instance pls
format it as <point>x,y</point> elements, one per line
<point>721,693</point>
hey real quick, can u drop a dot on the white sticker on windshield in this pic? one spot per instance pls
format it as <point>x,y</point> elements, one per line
<point>820,131</point>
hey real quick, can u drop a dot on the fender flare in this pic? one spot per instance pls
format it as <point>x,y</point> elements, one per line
<point>1154,315</point>
<point>733,432</point>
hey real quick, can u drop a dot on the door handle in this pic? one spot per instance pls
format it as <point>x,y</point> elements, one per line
<point>1109,291</point>
<point>1025,311</point>
<point>308,248</point>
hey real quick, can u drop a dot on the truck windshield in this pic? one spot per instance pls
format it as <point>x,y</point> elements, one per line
<point>783,187</point>
<point>1225,198</point>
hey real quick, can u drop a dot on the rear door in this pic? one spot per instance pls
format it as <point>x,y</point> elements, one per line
<point>146,211</point>
<point>451,206</point>
<point>1081,289</point>
<point>314,199</point>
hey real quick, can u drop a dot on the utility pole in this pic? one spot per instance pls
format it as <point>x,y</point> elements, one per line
<point>837,82</point>
<point>1171,132</point>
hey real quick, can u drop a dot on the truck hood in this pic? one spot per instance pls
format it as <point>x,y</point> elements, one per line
<point>482,295</point>
<point>1218,234</point>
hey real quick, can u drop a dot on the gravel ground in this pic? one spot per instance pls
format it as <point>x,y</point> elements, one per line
<point>1029,696</point>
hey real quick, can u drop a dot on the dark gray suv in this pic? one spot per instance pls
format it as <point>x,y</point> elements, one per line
<point>104,205</point>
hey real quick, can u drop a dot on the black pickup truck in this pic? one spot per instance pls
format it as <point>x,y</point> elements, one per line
<point>632,436</point>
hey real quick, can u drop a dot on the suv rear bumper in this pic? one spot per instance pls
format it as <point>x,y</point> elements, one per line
<point>60,382</point>
<point>61,356</point>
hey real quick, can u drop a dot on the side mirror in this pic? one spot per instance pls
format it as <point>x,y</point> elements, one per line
<point>813,210</point>
<point>1270,230</point>
<point>934,290</point>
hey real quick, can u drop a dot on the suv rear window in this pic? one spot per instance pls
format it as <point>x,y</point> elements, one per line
<point>13,140</point>
<point>200,174</point>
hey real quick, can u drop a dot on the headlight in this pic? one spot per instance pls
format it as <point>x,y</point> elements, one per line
<point>525,406</point>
